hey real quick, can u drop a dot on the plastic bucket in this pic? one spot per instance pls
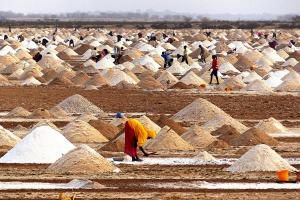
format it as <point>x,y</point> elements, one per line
<point>283,175</point>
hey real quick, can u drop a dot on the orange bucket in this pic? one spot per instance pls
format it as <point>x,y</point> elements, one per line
<point>283,175</point>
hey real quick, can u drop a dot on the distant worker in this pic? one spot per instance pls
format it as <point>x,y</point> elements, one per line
<point>44,42</point>
<point>136,136</point>
<point>273,44</point>
<point>9,29</point>
<point>215,69</point>
<point>140,35</point>
<point>274,35</point>
<point>37,57</point>
<point>94,53</point>
<point>103,53</point>
<point>118,54</point>
<point>71,43</point>
<point>202,54</point>
<point>167,58</point>
<point>5,37</point>
<point>185,55</point>
<point>119,38</point>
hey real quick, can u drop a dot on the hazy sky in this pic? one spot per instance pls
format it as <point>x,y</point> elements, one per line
<point>186,6</point>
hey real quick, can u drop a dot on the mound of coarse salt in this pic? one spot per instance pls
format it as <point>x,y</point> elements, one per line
<point>79,104</point>
<point>115,76</point>
<point>58,112</point>
<point>205,156</point>
<point>167,79</point>
<point>165,121</point>
<point>149,124</point>
<point>105,63</point>
<point>7,139</point>
<point>260,158</point>
<point>192,79</point>
<point>227,133</point>
<point>198,137</point>
<point>31,81</point>
<point>228,67</point>
<point>168,140</point>
<point>288,86</point>
<point>40,113</point>
<point>271,125</point>
<point>233,83</point>
<point>108,130</point>
<point>258,86</point>
<point>116,145</point>
<point>254,136</point>
<point>82,160</point>
<point>252,77</point>
<point>18,112</point>
<point>199,110</point>
<point>81,132</point>
<point>42,145</point>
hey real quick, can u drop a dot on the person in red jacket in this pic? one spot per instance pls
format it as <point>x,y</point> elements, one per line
<point>215,69</point>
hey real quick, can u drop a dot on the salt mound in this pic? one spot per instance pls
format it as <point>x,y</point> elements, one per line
<point>97,80</point>
<point>288,86</point>
<point>82,132</point>
<point>165,121</point>
<point>199,110</point>
<point>115,76</point>
<point>42,145</point>
<point>183,86</point>
<point>116,145</point>
<point>41,114</point>
<point>149,83</point>
<point>228,67</point>
<point>233,83</point>
<point>82,160</point>
<point>198,137</point>
<point>31,81</point>
<point>18,112</point>
<point>260,158</point>
<point>205,156</point>
<point>218,144</point>
<point>270,125</point>
<point>149,124</point>
<point>167,79</point>
<point>108,130</point>
<point>58,112</point>
<point>292,76</point>
<point>252,77</point>
<point>259,86</point>
<point>7,139</point>
<point>79,104</point>
<point>192,79</point>
<point>168,140</point>
<point>80,79</point>
<point>254,136</point>
<point>227,133</point>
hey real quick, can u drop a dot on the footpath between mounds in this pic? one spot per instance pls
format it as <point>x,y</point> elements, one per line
<point>113,100</point>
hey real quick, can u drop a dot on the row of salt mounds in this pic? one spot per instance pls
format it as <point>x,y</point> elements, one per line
<point>168,140</point>
<point>198,137</point>
<point>271,125</point>
<point>82,160</point>
<point>42,145</point>
<point>81,132</point>
<point>79,105</point>
<point>260,158</point>
<point>116,76</point>
<point>7,139</point>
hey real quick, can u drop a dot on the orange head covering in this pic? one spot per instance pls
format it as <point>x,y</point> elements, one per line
<point>151,134</point>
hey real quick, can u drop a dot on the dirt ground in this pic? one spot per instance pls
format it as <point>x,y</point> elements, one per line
<point>284,107</point>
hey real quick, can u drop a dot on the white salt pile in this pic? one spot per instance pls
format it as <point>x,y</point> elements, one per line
<point>271,125</point>
<point>199,110</point>
<point>273,81</point>
<point>148,62</point>
<point>79,105</point>
<point>228,67</point>
<point>259,86</point>
<point>252,77</point>
<point>115,76</point>
<point>167,79</point>
<point>288,86</point>
<point>260,158</point>
<point>192,79</point>
<point>82,160</point>
<point>176,68</point>
<point>105,63</point>
<point>42,145</point>
<point>30,81</point>
<point>205,156</point>
<point>81,132</point>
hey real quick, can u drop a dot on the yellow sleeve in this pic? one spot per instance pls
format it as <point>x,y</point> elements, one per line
<point>141,135</point>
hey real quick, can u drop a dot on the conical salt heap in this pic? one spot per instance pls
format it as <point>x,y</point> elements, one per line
<point>58,112</point>
<point>205,156</point>
<point>149,124</point>
<point>260,158</point>
<point>79,104</point>
<point>167,79</point>
<point>258,86</point>
<point>42,145</point>
<point>82,160</point>
<point>165,121</point>
<point>233,83</point>
<point>80,79</point>
<point>254,136</point>
<point>149,83</point>
<point>18,112</point>
<point>115,145</point>
<point>168,140</point>
<point>7,139</point>
<point>198,137</point>
<point>270,125</point>
<point>227,133</point>
<point>288,86</point>
<point>108,130</point>
<point>192,79</point>
<point>82,132</point>
<point>199,110</point>
<point>41,114</point>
